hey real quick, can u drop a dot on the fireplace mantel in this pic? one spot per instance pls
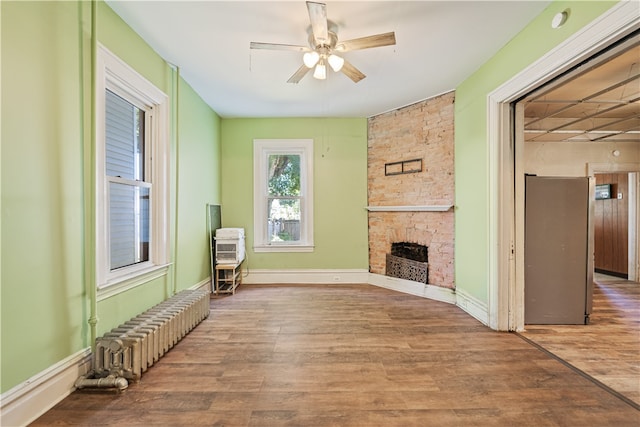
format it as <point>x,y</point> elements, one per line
<point>423,208</point>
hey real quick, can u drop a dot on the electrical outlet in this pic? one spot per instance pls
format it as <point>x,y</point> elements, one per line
<point>619,196</point>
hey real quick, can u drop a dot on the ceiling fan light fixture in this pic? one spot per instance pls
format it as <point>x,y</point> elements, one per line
<point>320,72</point>
<point>310,58</point>
<point>336,62</point>
<point>323,42</point>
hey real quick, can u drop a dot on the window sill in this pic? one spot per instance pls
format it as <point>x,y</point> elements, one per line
<point>283,248</point>
<point>132,280</point>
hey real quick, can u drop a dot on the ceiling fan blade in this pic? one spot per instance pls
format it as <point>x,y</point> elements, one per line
<point>318,18</point>
<point>276,46</point>
<point>298,75</point>
<point>385,39</point>
<point>352,72</point>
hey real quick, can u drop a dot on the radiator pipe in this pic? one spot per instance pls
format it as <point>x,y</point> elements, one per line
<point>110,381</point>
<point>93,291</point>
<point>177,125</point>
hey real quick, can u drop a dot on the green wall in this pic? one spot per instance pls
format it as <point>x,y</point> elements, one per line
<point>340,188</point>
<point>43,294</point>
<point>46,182</point>
<point>198,184</point>
<point>471,145</point>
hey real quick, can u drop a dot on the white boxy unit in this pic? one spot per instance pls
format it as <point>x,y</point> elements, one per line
<point>230,245</point>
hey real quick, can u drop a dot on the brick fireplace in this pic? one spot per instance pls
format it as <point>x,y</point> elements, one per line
<point>413,207</point>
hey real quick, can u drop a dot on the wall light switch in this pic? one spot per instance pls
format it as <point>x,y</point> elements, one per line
<point>619,196</point>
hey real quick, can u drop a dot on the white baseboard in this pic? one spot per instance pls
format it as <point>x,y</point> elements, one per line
<point>436,293</point>
<point>472,306</point>
<point>203,284</point>
<point>258,277</point>
<point>27,401</point>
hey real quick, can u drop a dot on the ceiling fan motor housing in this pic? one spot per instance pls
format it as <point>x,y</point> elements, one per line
<point>327,45</point>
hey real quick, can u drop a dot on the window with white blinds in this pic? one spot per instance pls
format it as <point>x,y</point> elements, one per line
<point>132,185</point>
<point>128,189</point>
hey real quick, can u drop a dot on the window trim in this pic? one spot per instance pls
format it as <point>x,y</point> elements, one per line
<point>262,148</point>
<point>115,75</point>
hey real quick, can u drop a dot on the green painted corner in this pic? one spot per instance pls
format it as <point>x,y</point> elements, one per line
<point>471,145</point>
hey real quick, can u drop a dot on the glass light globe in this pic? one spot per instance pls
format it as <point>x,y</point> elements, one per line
<point>336,62</point>
<point>310,58</point>
<point>321,71</point>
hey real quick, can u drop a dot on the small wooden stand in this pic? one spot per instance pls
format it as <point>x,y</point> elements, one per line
<point>228,278</point>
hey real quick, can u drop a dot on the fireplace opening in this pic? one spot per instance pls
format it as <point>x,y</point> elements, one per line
<point>408,261</point>
<point>408,250</point>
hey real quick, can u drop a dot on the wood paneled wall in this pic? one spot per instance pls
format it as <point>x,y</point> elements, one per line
<point>611,222</point>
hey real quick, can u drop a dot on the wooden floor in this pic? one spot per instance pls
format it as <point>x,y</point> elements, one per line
<point>348,355</point>
<point>608,348</point>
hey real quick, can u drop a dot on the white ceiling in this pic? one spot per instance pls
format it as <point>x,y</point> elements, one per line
<point>438,45</point>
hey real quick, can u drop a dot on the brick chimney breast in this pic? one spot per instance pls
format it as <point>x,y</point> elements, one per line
<point>420,131</point>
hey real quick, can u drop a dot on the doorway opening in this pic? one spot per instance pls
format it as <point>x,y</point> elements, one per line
<point>560,147</point>
<point>506,158</point>
<point>615,244</point>
<point>584,123</point>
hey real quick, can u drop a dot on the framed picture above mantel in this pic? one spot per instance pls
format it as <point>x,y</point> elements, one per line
<point>403,167</point>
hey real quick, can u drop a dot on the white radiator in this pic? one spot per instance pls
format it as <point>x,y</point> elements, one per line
<point>130,349</point>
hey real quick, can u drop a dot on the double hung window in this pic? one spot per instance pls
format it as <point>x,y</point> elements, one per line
<point>129,183</point>
<point>131,176</point>
<point>283,196</point>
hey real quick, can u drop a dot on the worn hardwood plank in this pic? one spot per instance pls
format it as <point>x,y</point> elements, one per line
<point>347,355</point>
<point>608,348</point>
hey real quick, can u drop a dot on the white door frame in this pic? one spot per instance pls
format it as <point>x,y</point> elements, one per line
<point>634,226</point>
<point>506,221</point>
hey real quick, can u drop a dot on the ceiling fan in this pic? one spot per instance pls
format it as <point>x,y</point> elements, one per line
<point>324,47</point>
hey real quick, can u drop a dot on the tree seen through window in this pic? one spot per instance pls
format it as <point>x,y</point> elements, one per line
<point>284,197</point>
